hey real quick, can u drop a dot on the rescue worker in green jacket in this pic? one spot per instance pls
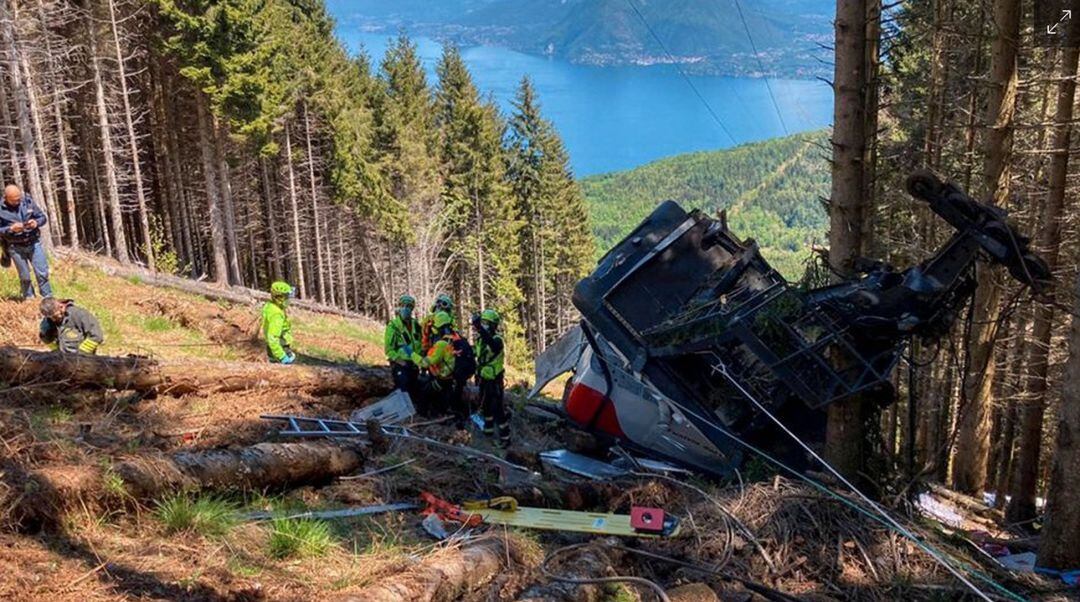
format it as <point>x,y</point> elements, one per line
<point>450,363</point>
<point>276,325</point>
<point>442,303</point>
<point>490,374</point>
<point>401,341</point>
<point>68,328</point>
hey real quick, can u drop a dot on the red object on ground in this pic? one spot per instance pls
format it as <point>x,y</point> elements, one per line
<point>448,511</point>
<point>649,520</point>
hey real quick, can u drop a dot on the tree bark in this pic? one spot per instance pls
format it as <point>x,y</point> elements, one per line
<point>447,575</point>
<point>22,109</point>
<point>973,439</point>
<point>133,142</point>
<point>845,444</point>
<point>215,223</point>
<point>1060,546</point>
<point>1026,468</point>
<point>319,273</point>
<point>26,366</point>
<point>263,466</point>
<point>297,247</point>
<point>227,208</point>
<point>112,186</point>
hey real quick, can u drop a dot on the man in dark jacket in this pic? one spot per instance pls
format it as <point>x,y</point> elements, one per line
<point>68,328</point>
<point>20,231</point>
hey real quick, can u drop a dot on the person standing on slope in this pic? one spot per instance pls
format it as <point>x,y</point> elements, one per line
<point>490,374</point>
<point>443,303</point>
<point>401,341</point>
<point>20,232</point>
<point>276,325</point>
<point>451,363</point>
<point>67,328</point>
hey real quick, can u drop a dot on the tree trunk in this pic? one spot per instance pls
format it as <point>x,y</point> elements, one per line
<point>22,109</point>
<point>57,489</point>
<point>213,192</point>
<point>845,444</point>
<point>229,211</point>
<point>1026,468</point>
<point>320,274</point>
<point>1060,546</point>
<point>276,270</point>
<point>297,247</point>
<point>973,439</point>
<point>25,366</point>
<point>450,574</point>
<point>112,186</point>
<point>133,142</point>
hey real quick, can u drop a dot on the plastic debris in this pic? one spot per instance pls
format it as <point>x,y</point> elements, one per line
<point>392,409</point>
<point>934,508</point>
<point>1022,563</point>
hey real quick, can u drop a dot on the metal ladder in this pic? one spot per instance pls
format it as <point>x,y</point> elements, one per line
<point>302,426</point>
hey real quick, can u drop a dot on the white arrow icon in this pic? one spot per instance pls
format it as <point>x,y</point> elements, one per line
<point>1066,14</point>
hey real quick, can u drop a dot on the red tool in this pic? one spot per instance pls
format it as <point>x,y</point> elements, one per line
<point>648,520</point>
<point>448,511</point>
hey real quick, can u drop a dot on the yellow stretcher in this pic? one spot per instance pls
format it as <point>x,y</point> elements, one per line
<point>641,522</point>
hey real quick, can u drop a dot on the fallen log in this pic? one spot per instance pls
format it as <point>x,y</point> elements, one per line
<point>45,494</point>
<point>178,377</point>
<point>447,575</point>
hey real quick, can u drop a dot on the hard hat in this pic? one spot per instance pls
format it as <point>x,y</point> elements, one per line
<point>441,319</point>
<point>407,300</point>
<point>444,301</point>
<point>490,315</point>
<point>280,289</point>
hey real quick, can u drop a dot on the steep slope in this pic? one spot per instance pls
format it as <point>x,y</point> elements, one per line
<point>772,190</point>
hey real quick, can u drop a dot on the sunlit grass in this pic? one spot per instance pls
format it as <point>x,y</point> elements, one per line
<point>299,538</point>
<point>208,516</point>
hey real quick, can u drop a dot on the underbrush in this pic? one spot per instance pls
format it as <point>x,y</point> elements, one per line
<point>208,516</point>
<point>299,538</point>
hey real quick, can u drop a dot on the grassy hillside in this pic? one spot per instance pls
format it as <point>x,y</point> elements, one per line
<point>771,189</point>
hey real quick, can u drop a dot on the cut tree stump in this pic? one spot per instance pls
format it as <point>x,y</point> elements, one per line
<point>447,575</point>
<point>44,495</point>
<point>178,377</point>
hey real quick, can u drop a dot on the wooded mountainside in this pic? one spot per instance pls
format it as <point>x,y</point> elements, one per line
<point>971,91</point>
<point>237,141</point>
<point>772,191</point>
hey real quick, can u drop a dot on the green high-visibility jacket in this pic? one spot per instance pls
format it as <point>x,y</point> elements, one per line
<point>489,356</point>
<point>399,335</point>
<point>277,329</point>
<point>440,359</point>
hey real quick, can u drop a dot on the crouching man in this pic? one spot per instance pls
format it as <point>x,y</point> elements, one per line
<point>68,328</point>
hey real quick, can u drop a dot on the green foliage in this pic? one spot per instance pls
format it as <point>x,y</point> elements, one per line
<point>299,538</point>
<point>772,191</point>
<point>157,324</point>
<point>208,516</point>
<point>166,259</point>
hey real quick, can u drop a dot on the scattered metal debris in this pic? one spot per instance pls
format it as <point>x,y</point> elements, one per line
<point>329,514</point>
<point>580,465</point>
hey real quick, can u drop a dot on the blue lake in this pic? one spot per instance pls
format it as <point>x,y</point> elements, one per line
<point>615,118</point>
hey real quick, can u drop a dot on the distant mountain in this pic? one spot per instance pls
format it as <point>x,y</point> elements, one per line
<point>705,35</point>
<point>772,191</point>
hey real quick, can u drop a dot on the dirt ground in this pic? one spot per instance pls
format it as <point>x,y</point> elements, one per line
<point>100,544</point>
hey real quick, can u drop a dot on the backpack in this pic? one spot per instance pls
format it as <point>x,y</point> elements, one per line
<point>464,358</point>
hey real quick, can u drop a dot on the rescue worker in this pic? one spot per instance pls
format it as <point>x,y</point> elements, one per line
<point>490,374</point>
<point>450,363</point>
<point>20,235</point>
<point>401,342</point>
<point>68,328</point>
<point>442,303</point>
<point>276,325</point>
